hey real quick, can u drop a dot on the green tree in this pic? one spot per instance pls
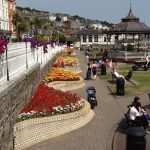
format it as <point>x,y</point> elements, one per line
<point>130,47</point>
<point>37,23</point>
<point>19,25</point>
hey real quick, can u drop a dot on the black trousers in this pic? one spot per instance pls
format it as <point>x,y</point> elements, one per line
<point>142,121</point>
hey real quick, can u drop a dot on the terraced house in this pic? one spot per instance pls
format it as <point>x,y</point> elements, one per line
<point>7,7</point>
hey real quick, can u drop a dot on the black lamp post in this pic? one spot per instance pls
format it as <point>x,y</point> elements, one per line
<point>41,54</point>
<point>26,55</point>
<point>7,70</point>
<point>37,54</point>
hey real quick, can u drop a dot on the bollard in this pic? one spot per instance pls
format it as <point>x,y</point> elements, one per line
<point>135,139</point>
<point>103,69</point>
<point>120,86</point>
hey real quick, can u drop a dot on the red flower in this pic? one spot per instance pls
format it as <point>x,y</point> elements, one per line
<point>45,98</point>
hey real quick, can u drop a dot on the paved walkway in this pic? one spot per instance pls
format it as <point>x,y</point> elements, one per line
<point>99,133</point>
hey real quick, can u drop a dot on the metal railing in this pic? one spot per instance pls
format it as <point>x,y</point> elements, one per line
<point>128,55</point>
<point>20,57</point>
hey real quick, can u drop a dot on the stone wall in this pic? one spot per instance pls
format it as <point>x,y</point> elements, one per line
<point>36,130</point>
<point>13,96</point>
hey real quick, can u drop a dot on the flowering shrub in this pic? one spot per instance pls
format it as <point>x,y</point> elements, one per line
<point>37,43</point>
<point>68,50</point>
<point>48,101</point>
<point>63,61</point>
<point>3,45</point>
<point>61,75</point>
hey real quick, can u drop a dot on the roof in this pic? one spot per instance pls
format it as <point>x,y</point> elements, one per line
<point>130,17</point>
<point>89,32</point>
<point>131,27</point>
<point>72,39</point>
<point>130,24</point>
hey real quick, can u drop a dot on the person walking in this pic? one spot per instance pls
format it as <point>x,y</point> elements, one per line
<point>88,73</point>
<point>94,70</point>
<point>87,58</point>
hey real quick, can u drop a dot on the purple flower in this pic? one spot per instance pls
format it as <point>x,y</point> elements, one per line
<point>3,45</point>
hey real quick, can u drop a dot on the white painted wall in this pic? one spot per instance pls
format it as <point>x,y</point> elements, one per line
<point>100,40</point>
<point>4,25</point>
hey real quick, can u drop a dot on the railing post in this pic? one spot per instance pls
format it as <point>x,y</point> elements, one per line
<point>7,63</point>
<point>41,54</point>
<point>26,55</point>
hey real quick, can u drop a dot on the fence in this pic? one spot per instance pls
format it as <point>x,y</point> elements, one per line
<point>20,56</point>
<point>128,56</point>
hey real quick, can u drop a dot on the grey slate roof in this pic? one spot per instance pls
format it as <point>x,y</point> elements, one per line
<point>130,24</point>
<point>89,32</point>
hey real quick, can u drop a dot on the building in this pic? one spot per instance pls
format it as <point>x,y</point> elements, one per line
<point>52,17</point>
<point>99,26</point>
<point>131,29</point>
<point>4,20</point>
<point>32,14</point>
<point>64,18</point>
<point>93,36</point>
<point>11,10</point>
<point>7,8</point>
<point>76,25</point>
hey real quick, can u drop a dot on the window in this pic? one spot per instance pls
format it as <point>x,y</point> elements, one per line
<point>84,38</point>
<point>95,38</point>
<point>105,39</point>
<point>90,38</point>
<point>78,36</point>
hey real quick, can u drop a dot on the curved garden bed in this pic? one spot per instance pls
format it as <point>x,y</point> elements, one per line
<point>67,85</point>
<point>30,132</point>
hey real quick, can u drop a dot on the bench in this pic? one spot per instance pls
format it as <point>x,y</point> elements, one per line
<point>113,76</point>
<point>140,64</point>
<point>130,123</point>
<point>127,77</point>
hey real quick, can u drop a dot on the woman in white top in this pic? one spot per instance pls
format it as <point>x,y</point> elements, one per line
<point>137,114</point>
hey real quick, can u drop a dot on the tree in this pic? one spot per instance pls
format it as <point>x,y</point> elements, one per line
<point>37,23</point>
<point>19,25</point>
<point>58,18</point>
<point>130,47</point>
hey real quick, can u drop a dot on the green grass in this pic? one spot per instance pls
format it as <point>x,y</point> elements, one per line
<point>140,78</point>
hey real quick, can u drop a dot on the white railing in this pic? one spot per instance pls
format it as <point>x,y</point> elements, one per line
<point>128,55</point>
<point>20,58</point>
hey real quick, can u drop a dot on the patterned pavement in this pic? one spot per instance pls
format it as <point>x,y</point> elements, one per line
<point>100,133</point>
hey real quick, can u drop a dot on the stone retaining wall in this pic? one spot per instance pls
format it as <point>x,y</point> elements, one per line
<point>33,131</point>
<point>13,97</point>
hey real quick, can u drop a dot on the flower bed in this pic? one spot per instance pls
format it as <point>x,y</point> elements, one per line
<point>61,75</point>
<point>48,101</point>
<point>68,50</point>
<point>63,61</point>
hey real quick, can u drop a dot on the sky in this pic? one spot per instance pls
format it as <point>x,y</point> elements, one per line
<point>103,10</point>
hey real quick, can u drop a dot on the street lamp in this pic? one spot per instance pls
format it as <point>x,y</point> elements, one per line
<point>41,54</point>
<point>7,70</point>
<point>26,55</point>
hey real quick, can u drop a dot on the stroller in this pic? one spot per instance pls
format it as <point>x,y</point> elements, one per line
<point>91,96</point>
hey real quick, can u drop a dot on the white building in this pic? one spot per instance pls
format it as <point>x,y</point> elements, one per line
<point>64,18</point>
<point>99,26</point>
<point>52,17</point>
<point>92,36</point>
<point>4,19</point>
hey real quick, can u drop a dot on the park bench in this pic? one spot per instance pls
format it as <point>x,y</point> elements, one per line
<point>140,64</point>
<point>131,123</point>
<point>127,77</point>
